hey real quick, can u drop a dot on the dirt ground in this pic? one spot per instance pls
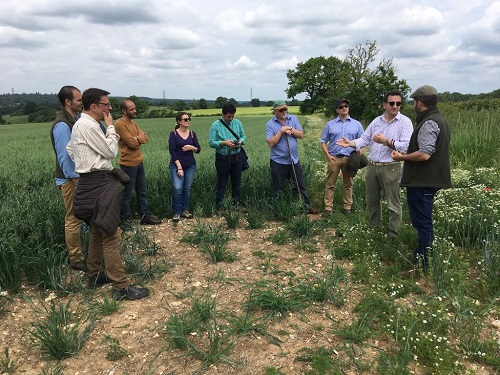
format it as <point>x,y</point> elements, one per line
<point>139,325</point>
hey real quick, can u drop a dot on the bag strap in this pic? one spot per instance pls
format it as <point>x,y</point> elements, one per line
<point>228,128</point>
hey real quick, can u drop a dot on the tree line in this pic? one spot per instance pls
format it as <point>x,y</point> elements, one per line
<point>323,80</point>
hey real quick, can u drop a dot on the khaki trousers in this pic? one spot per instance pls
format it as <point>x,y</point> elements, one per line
<point>104,253</point>
<point>333,169</point>
<point>384,179</point>
<point>72,225</point>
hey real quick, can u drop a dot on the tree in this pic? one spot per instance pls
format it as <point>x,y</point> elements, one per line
<point>202,103</point>
<point>194,104</point>
<point>30,107</point>
<point>220,101</point>
<point>179,105</point>
<point>315,77</point>
<point>255,102</point>
<point>233,101</point>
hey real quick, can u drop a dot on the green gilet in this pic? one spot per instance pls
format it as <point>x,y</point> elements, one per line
<point>434,172</point>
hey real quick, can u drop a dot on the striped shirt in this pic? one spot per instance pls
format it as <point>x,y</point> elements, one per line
<point>399,128</point>
<point>90,148</point>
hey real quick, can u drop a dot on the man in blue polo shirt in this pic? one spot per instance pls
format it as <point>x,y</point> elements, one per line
<point>282,132</point>
<point>341,126</point>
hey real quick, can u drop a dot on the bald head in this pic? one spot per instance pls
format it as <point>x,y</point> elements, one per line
<point>128,109</point>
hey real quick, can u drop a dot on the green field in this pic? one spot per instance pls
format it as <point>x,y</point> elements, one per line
<point>449,312</point>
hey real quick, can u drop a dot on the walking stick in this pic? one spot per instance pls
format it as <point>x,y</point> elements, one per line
<point>293,170</point>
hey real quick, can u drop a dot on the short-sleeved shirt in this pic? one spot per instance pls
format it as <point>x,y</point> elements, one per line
<point>280,152</point>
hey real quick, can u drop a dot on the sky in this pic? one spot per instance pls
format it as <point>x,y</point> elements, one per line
<point>239,49</point>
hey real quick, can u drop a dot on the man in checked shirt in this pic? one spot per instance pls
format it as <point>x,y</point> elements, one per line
<point>386,133</point>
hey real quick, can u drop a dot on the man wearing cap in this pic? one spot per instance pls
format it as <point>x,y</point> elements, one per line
<point>337,156</point>
<point>388,132</point>
<point>282,132</point>
<point>426,166</point>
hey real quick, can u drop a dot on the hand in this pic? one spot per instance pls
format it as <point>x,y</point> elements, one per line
<point>228,143</point>
<point>379,138</point>
<point>188,148</point>
<point>180,172</point>
<point>287,130</point>
<point>344,142</point>
<point>74,181</point>
<point>108,118</point>
<point>398,156</point>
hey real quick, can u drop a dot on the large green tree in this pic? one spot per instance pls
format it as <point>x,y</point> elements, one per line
<point>357,78</point>
<point>315,77</point>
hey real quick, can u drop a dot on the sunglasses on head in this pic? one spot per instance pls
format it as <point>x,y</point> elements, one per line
<point>398,104</point>
<point>343,106</point>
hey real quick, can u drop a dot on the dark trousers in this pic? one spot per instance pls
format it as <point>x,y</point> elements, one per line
<point>138,183</point>
<point>227,166</point>
<point>420,201</point>
<point>280,173</point>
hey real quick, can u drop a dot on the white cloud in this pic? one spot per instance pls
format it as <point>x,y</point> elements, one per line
<point>283,64</point>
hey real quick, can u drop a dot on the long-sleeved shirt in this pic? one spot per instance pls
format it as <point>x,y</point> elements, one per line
<point>62,136</point>
<point>336,129</point>
<point>175,145</point>
<point>399,128</point>
<point>287,145</point>
<point>90,148</point>
<point>218,133</point>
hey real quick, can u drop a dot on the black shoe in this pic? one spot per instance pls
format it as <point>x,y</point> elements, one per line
<point>78,266</point>
<point>327,213</point>
<point>98,280</point>
<point>131,292</point>
<point>150,220</point>
<point>346,211</point>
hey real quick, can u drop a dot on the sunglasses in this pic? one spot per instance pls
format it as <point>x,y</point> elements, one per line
<point>186,119</point>
<point>342,106</point>
<point>283,110</point>
<point>398,104</point>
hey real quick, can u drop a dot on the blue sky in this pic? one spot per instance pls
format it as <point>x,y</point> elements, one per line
<point>204,49</point>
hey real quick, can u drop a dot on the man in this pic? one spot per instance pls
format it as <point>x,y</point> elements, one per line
<point>426,166</point>
<point>336,156</point>
<point>131,162</point>
<point>96,198</point>
<point>65,176</point>
<point>282,132</point>
<point>388,132</point>
<point>228,161</point>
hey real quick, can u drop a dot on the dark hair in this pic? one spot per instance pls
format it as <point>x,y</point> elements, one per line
<point>92,96</point>
<point>228,108</point>
<point>392,93</point>
<point>428,100</point>
<point>178,118</point>
<point>66,92</point>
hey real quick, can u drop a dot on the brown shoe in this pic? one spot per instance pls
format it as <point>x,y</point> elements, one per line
<point>327,213</point>
<point>312,211</point>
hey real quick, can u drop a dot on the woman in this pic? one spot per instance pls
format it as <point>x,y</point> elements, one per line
<point>181,144</point>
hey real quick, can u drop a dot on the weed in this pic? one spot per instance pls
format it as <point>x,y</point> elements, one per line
<point>61,332</point>
<point>275,301</point>
<point>273,371</point>
<point>218,251</point>
<point>280,237</point>
<point>319,360</point>
<point>10,264</point>
<point>7,364</point>
<point>256,219</point>
<point>52,369</point>
<point>104,306</point>
<point>355,332</point>
<point>300,226</point>
<point>115,351</point>
<point>231,215</point>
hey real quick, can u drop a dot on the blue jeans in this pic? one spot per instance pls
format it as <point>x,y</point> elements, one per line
<point>138,183</point>
<point>181,188</point>
<point>420,201</point>
<point>227,166</point>
<point>280,173</point>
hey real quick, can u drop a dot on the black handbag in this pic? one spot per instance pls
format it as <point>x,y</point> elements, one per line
<point>243,154</point>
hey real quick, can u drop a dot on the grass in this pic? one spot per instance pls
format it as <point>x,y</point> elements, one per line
<point>426,324</point>
<point>7,364</point>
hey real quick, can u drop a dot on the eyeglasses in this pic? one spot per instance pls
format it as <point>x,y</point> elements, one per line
<point>342,106</point>
<point>187,119</point>
<point>398,104</point>
<point>108,104</point>
<point>283,110</point>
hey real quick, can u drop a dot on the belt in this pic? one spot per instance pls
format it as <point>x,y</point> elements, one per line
<point>377,163</point>
<point>340,156</point>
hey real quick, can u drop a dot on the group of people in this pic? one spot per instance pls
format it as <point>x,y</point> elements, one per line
<point>391,138</point>
<point>85,142</point>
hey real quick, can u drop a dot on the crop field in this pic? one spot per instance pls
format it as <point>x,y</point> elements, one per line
<point>271,291</point>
